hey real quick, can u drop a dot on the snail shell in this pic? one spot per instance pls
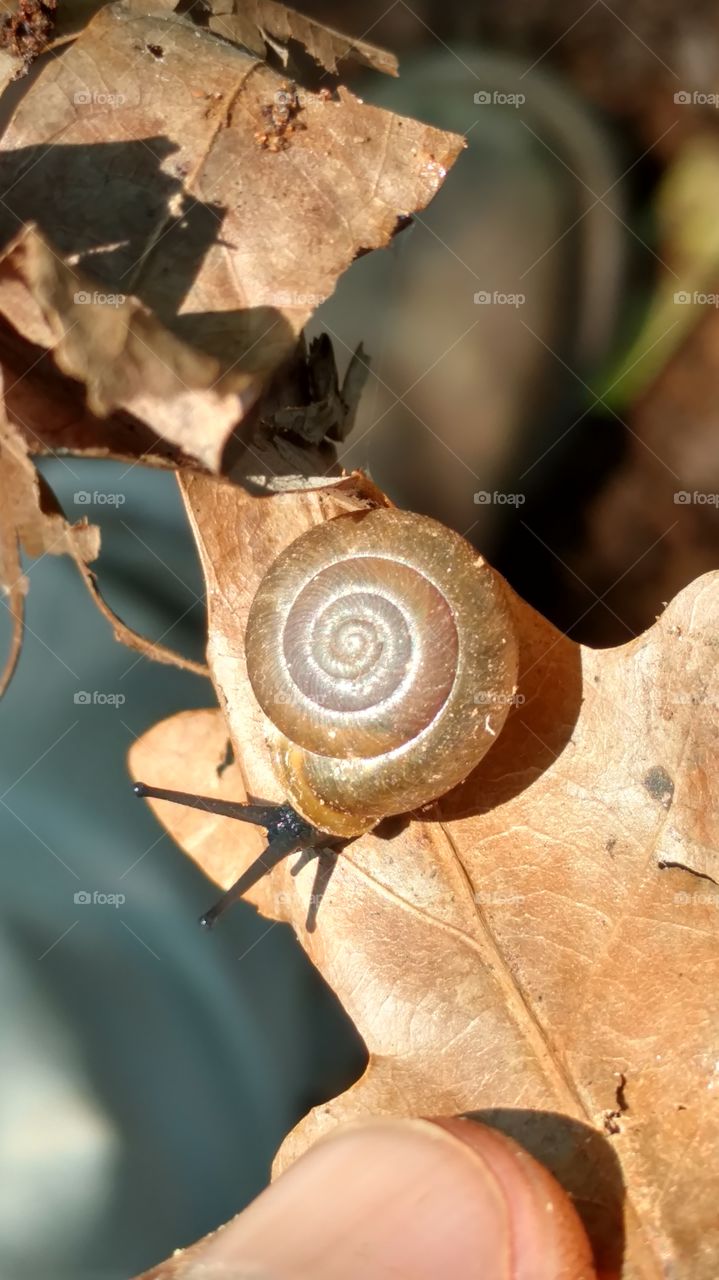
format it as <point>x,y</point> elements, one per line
<point>382,650</point>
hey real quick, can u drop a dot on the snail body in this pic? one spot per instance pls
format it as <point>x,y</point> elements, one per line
<point>382,650</point>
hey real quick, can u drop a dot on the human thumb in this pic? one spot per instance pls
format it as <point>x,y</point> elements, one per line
<point>389,1198</point>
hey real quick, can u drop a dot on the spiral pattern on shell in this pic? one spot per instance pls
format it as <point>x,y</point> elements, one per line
<point>381,647</point>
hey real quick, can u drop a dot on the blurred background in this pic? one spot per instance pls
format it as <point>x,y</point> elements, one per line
<point>544,347</point>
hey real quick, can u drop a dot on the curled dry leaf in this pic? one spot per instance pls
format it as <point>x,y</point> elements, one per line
<point>201,209</point>
<point>539,948</point>
<point>31,518</point>
<point>257,24</point>
<point>13,586</point>
<point>124,357</point>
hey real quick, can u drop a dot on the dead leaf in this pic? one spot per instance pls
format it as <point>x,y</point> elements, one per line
<point>527,951</point>
<point>29,508</point>
<point>151,649</point>
<point>13,586</point>
<point>30,517</point>
<point>126,360</point>
<point>183,249</point>
<point>259,24</point>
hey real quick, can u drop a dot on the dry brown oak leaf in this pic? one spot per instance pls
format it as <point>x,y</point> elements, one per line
<point>534,947</point>
<point>179,236</point>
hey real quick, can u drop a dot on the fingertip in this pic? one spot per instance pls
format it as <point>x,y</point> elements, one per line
<point>389,1197</point>
<point>549,1240</point>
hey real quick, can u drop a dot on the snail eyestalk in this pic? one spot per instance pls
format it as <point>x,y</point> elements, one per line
<point>278,848</point>
<point>262,815</point>
<point>287,833</point>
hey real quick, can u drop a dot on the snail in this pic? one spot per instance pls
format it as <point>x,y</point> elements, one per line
<point>382,651</point>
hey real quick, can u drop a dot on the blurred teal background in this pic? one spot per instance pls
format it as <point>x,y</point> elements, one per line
<point>148,1070</point>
